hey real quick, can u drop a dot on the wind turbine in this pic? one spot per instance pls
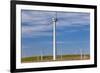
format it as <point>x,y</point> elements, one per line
<point>54,20</point>
<point>81,54</point>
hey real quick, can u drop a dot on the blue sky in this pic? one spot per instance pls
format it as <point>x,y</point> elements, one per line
<point>72,32</point>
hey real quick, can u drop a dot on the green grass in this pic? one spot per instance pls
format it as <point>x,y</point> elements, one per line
<point>50,58</point>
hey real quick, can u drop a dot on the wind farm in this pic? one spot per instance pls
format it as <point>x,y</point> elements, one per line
<point>49,36</point>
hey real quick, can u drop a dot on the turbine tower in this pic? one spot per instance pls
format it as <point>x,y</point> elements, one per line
<point>54,20</point>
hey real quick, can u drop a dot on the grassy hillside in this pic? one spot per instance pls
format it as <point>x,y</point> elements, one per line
<point>58,58</point>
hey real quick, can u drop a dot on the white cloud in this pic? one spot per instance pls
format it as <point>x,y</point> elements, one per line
<point>70,42</point>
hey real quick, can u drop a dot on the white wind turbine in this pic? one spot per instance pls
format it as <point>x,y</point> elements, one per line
<point>54,20</point>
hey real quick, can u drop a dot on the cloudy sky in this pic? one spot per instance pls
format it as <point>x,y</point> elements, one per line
<point>72,32</point>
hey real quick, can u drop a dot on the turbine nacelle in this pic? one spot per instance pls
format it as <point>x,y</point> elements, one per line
<point>54,19</point>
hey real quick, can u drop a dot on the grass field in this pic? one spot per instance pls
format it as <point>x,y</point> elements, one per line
<point>50,58</point>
